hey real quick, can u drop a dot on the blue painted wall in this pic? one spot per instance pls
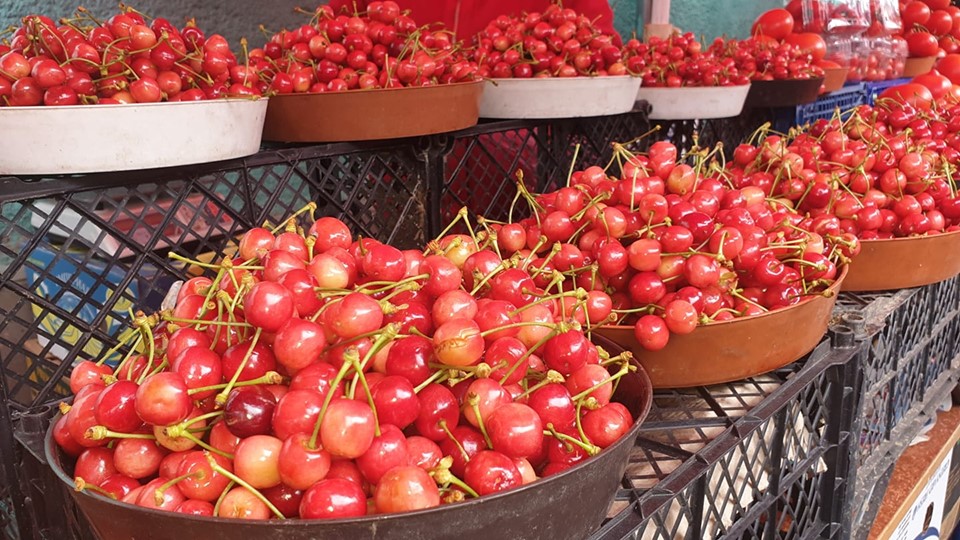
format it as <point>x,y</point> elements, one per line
<point>712,18</point>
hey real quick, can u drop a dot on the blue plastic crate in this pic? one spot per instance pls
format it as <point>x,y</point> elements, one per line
<point>845,99</point>
<point>874,89</point>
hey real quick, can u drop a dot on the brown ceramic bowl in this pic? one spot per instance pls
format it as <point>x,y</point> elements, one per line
<point>733,350</point>
<point>900,263</point>
<point>783,93</point>
<point>918,66</point>
<point>834,78</point>
<point>363,115</point>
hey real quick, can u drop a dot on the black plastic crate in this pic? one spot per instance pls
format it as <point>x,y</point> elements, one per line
<point>96,247</point>
<point>741,460</point>
<point>480,170</point>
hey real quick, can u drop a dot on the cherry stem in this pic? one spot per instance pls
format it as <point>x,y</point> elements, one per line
<point>347,364</point>
<point>442,424</point>
<point>573,163</point>
<point>239,481</point>
<point>79,484</point>
<point>473,400</point>
<point>144,327</point>
<point>309,207</point>
<point>270,377</point>
<point>589,448</point>
<point>126,359</point>
<point>386,285</point>
<point>520,324</point>
<point>490,275</point>
<point>173,430</point>
<point>158,493</point>
<point>583,436</point>
<point>445,477</point>
<point>222,396</point>
<point>99,433</point>
<point>624,369</point>
<point>436,377</point>
<point>553,377</point>
<point>125,336</point>
<point>199,442</point>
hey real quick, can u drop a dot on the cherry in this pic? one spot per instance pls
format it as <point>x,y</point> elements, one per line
<point>567,352</point>
<point>554,405</point>
<point>195,507</point>
<point>353,315</point>
<point>200,367</point>
<point>388,450</point>
<point>256,460</point>
<point>301,466</point>
<point>298,344</point>
<point>606,425</point>
<point>171,495</point>
<point>317,377</point>
<point>468,443</point>
<point>437,404</point>
<point>115,407</point>
<point>95,465</point>
<point>87,372</point>
<point>285,498</point>
<point>137,458</point>
<point>409,358</point>
<point>490,471</point>
<point>458,342</point>
<point>395,401</point>
<point>252,360</point>
<point>333,498</point>
<point>347,429</point>
<point>163,400</point>
<point>423,452</point>
<point>249,411</point>
<point>515,430</point>
<point>240,503</point>
<point>268,306</point>
<point>404,489</point>
<point>202,482</point>
<point>297,412</point>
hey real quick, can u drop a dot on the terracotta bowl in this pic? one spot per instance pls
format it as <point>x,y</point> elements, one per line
<point>834,78</point>
<point>363,115</point>
<point>918,66</point>
<point>901,263</point>
<point>733,350</point>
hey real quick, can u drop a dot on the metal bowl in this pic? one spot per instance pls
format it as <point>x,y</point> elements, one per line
<point>568,505</point>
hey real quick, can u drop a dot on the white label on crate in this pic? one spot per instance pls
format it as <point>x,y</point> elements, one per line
<point>170,300</point>
<point>924,519</point>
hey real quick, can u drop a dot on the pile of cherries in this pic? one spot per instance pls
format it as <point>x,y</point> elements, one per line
<point>314,375</point>
<point>887,171</point>
<point>379,48</point>
<point>124,59</point>
<point>668,246</point>
<point>558,42</point>
<point>766,59</point>
<point>680,60</point>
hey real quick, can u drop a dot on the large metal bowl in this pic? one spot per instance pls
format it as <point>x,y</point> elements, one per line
<point>568,505</point>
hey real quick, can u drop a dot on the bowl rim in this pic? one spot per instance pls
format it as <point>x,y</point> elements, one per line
<point>258,100</point>
<point>925,237</point>
<point>834,288</point>
<point>367,91</point>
